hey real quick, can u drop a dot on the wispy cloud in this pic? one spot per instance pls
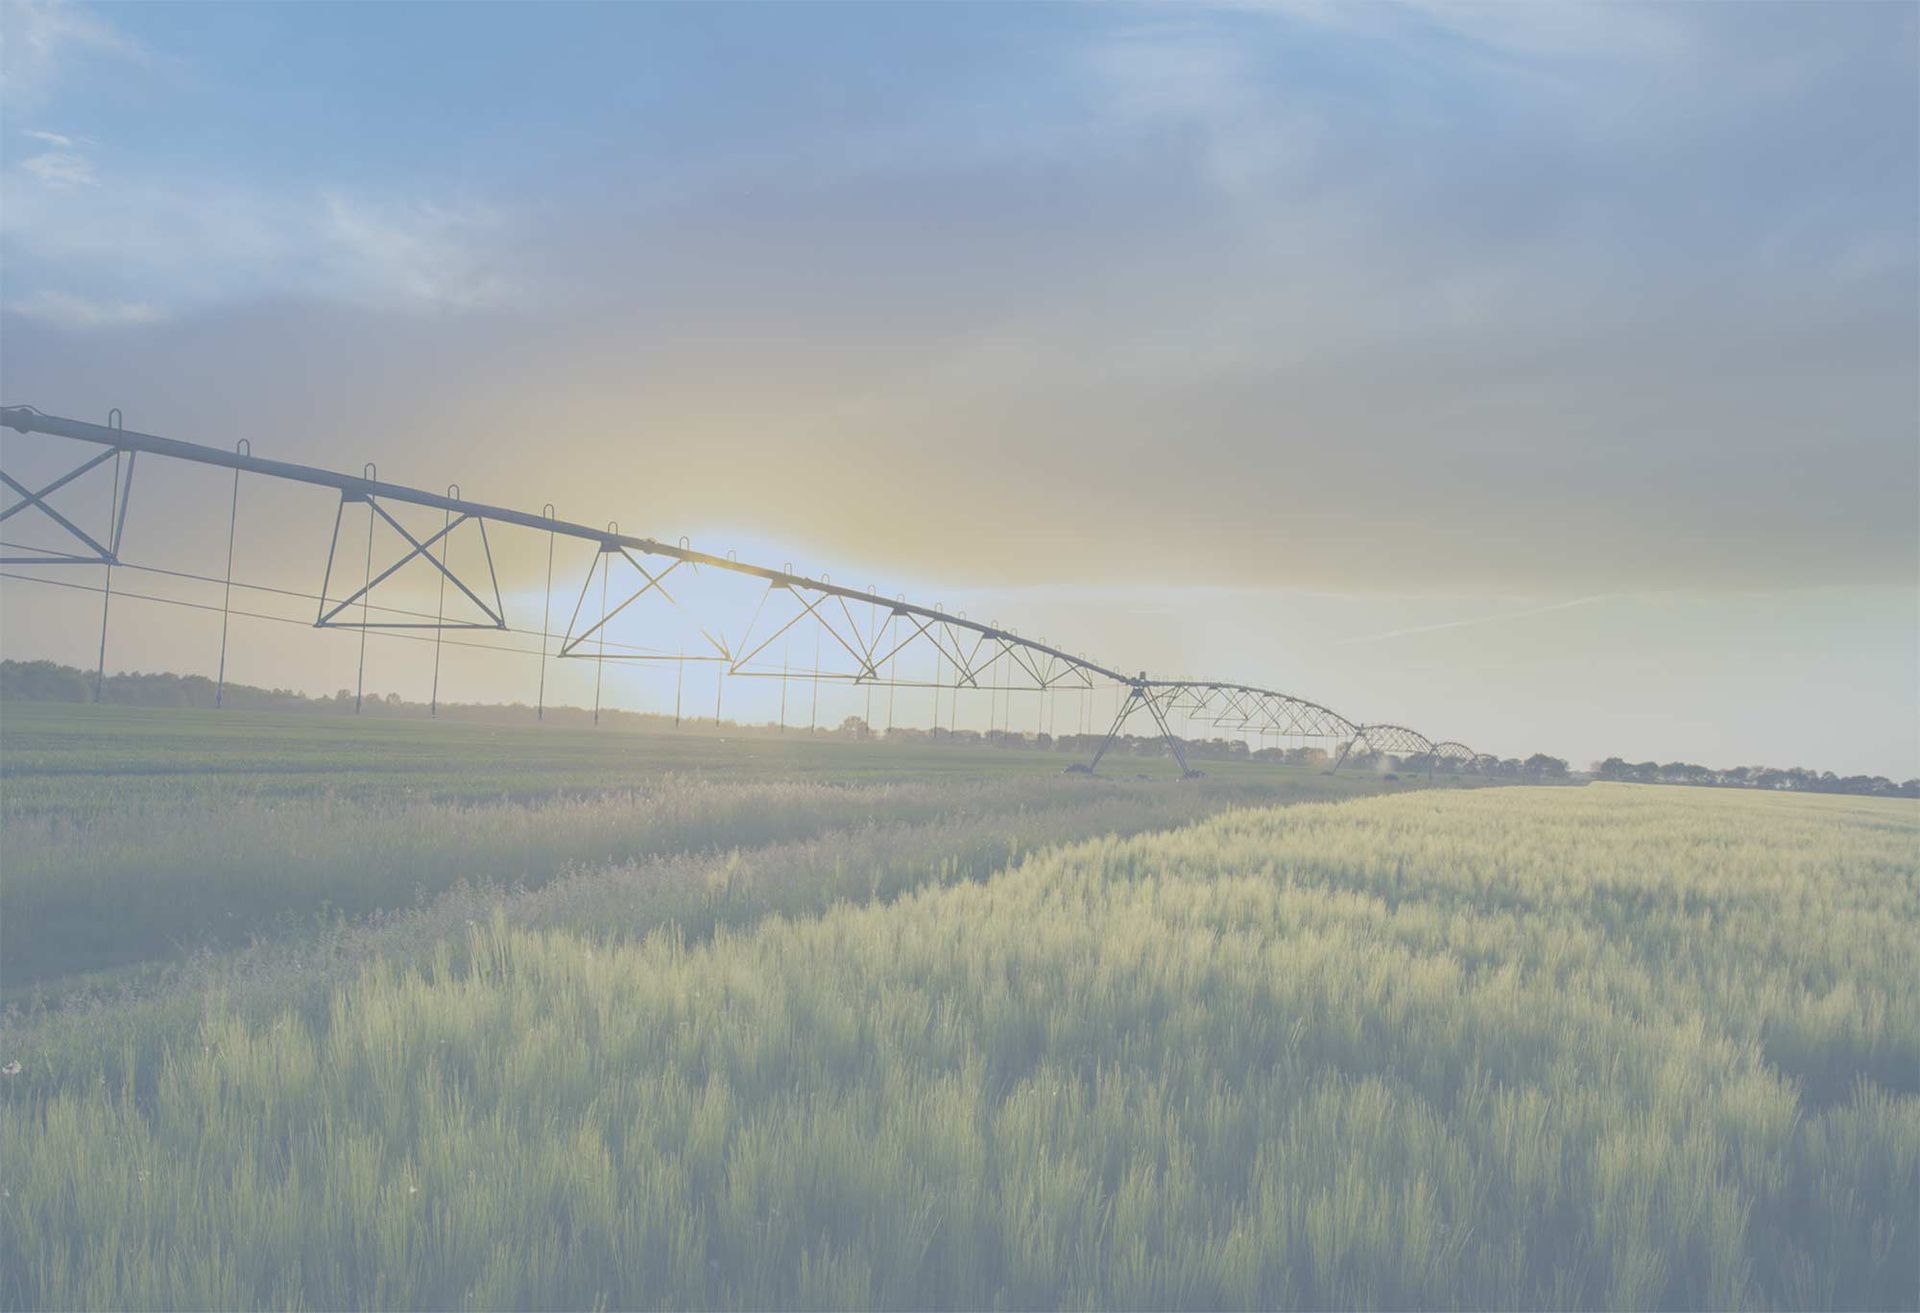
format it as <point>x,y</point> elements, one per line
<point>66,310</point>
<point>62,161</point>
<point>1467,622</point>
<point>168,244</point>
<point>1518,31</point>
<point>1200,82</point>
<point>42,39</point>
<point>414,252</point>
<point>92,240</point>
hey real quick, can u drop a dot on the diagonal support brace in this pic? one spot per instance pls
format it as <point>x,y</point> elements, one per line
<point>1139,696</point>
<point>98,553</point>
<point>328,617</point>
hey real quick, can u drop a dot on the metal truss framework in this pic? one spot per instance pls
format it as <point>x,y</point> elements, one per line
<point>1242,709</point>
<point>418,549</point>
<point>96,552</point>
<point>865,634</point>
<point>1410,744</point>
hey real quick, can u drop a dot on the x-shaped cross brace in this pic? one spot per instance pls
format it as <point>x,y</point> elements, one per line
<point>418,548</point>
<point>103,554</point>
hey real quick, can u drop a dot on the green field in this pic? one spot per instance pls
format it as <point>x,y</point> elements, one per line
<point>67,758</point>
<point>851,1034</point>
<point>138,836</point>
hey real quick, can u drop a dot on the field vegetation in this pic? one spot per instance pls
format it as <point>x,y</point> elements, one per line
<point>206,832</point>
<point>1796,778</point>
<point>1501,1047</point>
<point>75,761</point>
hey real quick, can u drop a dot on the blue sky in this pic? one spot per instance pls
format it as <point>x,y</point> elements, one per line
<point>1592,325</point>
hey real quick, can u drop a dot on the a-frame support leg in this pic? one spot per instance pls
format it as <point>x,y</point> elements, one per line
<point>1126,709</point>
<point>1138,694</point>
<point>1166,732</point>
<point>1342,758</point>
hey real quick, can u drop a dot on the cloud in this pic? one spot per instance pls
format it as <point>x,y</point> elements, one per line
<point>1198,84</point>
<point>1318,301</point>
<point>64,165</point>
<point>1470,621</point>
<point>179,244</point>
<point>142,242</point>
<point>65,310</point>
<point>42,40</point>
<point>1520,32</point>
<point>413,252</point>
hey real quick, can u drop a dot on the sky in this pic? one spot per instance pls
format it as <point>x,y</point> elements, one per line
<point>1546,378</point>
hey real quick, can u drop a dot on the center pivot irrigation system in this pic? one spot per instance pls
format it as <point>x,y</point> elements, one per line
<point>868,637</point>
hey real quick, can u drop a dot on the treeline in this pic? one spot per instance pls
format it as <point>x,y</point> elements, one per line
<point>49,681</point>
<point>1126,745</point>
<point>1537,767</point>
<point>1794,779</point>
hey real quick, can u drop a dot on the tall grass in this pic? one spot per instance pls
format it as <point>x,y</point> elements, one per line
<point>113,890</point>
<point>81,760</point>
<point>1603,1048</point>
<point>110,1033</point>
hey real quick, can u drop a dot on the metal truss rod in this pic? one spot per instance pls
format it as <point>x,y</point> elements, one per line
<point>226,595</point>
<point>117,518</point>
<point>546,621</point>
<point>956,640</point>
<point>1397,740</point>
<point>366,597</point>
<point>1338,721</point>
<point>25,419</point>
<point>28,497</point>
<point>1143,694</point>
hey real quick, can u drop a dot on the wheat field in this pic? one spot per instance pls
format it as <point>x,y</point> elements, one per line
<point>1614,1047</point>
